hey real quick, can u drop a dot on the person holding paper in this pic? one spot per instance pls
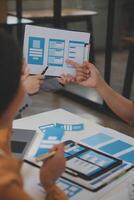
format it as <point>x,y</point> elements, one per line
<point>88,76</point>
<point>12,93</point>
<point>33,83</point>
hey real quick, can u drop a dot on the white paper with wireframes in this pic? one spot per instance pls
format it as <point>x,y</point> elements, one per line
<point>52,47</point>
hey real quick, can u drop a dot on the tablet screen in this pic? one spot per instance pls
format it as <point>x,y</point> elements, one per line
<point>83,167</point>
<point>97,158</point>
<point>87,162</point>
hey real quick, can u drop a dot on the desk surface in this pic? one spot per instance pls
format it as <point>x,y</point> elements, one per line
<point>46,101</point>
<point>62,116</point>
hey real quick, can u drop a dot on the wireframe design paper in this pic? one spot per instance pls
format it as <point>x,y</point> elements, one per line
<point>52,47</point>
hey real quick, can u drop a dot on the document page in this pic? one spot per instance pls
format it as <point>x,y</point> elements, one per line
<point>52,47</point>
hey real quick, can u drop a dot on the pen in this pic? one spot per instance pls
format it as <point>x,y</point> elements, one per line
<point>44,157</point>
<point>31,163</point>
<point>44,71</point>
<point>48,155</point>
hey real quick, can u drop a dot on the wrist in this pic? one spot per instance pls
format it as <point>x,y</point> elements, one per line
<point>49,186</point>
<point>47,182</point>
<point>101,85</point>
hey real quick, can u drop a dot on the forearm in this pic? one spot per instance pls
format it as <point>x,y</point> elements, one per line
<point>5,134</point>
<point>14,192</point>
<point>120,105</point>
<point>11,184</point>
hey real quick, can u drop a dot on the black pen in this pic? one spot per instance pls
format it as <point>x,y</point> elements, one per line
<point>44,71</point>
<point>31,163</point>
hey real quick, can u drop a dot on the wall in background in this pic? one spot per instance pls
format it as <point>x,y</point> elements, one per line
<point>40,4</point>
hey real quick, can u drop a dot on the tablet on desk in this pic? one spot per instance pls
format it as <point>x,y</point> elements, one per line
<point>21,141</point>
<point>88,163</point>
<point>91,168</point>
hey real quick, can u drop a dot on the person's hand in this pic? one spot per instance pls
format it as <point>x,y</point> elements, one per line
<point>52,168</point>
<point>66,79</point>
<point>32,83</point>
<point>86,74</point>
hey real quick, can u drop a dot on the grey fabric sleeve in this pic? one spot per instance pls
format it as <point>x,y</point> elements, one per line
<point>51,84</point>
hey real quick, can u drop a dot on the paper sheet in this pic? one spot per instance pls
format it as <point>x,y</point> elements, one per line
<point>110,141</point>
<point>33,188</point>
<point>52,47</point>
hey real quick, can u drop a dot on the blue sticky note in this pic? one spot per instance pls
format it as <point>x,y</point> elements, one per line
<point>43,128</point>
<point>129,157</point>
<point>70,127</point>
<point>52,136</point>
<point>53,133</point>
<point>97,139</point>
<point>77,127</point>
<point>58,125</point>
<point>115,147</point>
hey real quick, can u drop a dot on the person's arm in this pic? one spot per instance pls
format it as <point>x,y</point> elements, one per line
<point>87,75</point>
<point>14,192</point>
<point>120,105</point>
<point>11,185</point>
<point>56,194</point>
<point>5,135</point>
<point>50,172</point>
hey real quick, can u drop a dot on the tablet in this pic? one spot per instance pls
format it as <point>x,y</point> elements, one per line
<point>88,163</point>
<point>21,141</point>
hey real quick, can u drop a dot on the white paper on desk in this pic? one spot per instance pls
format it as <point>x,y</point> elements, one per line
<point>32,186</point>
<point>31,179</point>
<point>52,47</point>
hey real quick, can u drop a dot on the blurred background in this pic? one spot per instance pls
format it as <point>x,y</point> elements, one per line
<point>111,23</point>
